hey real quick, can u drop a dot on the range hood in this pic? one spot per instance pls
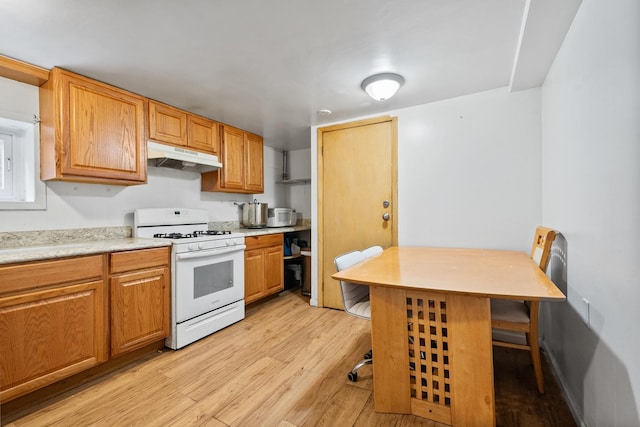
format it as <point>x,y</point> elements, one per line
<point>180,158</point>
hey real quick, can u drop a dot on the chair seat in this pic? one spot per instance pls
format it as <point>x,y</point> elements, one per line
<point>509,311</point>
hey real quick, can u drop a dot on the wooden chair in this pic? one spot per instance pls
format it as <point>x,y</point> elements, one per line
<point>515,323</point>
<point>355,297</point>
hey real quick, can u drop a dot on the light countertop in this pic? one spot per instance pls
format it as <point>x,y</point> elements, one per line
<point>33,246</point>
<point>62,250</point>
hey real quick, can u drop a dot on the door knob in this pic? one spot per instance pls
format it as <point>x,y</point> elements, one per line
<point>386,216</point>
<point>385,204</point>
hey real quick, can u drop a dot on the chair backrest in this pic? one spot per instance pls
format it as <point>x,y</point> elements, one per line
<point>353,293</point>
<point>541,248</point>
<point>372,251</point>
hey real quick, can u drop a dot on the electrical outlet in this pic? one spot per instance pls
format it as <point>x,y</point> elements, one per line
<point>587,312</point>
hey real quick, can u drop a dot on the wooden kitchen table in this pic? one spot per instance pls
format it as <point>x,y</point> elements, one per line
<point>431,326</point>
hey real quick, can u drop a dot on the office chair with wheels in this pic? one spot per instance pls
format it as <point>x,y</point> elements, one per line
<point>515,323</point>
<point>355,298</point>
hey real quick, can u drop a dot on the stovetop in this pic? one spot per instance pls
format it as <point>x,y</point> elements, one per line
<point>194,234</point>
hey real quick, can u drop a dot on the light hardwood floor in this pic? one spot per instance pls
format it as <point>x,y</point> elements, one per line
<point>284,365</point>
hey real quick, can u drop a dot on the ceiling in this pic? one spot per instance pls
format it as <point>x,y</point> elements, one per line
<point>269,67</point>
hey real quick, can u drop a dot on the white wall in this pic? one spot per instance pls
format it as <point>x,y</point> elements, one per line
<point>300,194</point>
<point>468,172</point>
<point>18,101</point>
<point>591,187</point>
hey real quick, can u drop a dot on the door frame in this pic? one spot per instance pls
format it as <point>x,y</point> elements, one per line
<point>320,187</point>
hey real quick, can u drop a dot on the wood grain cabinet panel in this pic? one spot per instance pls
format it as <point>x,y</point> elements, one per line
<point>232,172</point>
<point>254,278</point>
<point>202,134</point>
<point>167,124</point>
<point>242,170</point>
<point>91,132</point>
<point>140,298</point>
<point>263,266</point>
<point>254,163</point>
<point>177,127</point>
<point>50,332</point>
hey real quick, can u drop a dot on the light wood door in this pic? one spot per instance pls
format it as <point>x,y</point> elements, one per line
<point>91,132</point>
<point>356,176</point>
<point>167,124</point>
<point>254,163</point>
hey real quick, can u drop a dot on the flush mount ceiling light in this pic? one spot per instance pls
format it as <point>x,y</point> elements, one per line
<point>382,86</point>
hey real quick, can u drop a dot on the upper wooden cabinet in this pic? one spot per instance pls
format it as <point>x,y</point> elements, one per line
<point>167,124</point>
<point>242,169</point>
<point>202,134</point>
<point>91,132</point>
<point>254,163</point>
<point>173,126</point>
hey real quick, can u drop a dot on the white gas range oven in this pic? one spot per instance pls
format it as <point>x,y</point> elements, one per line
<point>207,271</point>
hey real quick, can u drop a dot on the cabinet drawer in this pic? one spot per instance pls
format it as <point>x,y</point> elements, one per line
<point>47,273</point>
<point>138,259</point>
<point>254,242</point>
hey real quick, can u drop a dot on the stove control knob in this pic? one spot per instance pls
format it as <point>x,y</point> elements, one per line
<point>193,247</point>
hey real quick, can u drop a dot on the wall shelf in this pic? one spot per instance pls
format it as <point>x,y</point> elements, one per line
<point>295,181</point>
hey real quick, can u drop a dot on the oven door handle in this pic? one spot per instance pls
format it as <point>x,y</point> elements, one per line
<point>210,253</point>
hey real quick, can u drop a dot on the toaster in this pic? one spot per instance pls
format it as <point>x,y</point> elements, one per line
<point>281,217</point>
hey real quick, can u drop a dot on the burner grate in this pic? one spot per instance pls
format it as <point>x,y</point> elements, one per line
<point>174,235</point>
<point>211,232</point>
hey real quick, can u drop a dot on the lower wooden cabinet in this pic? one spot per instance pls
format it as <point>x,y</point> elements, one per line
<point>59,318</point>
<point>263,266</point>
<point>52,322</point>
<point>140,298</point>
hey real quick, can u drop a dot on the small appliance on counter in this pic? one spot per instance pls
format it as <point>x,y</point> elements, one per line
<point>281,217</point>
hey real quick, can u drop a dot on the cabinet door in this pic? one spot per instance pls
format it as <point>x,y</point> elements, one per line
<point>48,335</point>
<point>101,128</point>
<point>167,124</point>
<point>254,283</point>
<point>202,134</point>
<point>274,269</point>
<point>254,164</point>
<point>232,171</point>
<point>139,309</point>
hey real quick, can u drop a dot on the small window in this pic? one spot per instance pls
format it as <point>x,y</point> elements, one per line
<point>7,192</point>
<point>20,185</point>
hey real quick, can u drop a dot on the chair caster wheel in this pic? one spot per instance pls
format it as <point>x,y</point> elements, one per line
<point>353,377</point>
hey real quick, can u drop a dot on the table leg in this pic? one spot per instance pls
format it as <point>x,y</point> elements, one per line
<point>432,356</point>
<point>472,392</point>
<point>390,350</point>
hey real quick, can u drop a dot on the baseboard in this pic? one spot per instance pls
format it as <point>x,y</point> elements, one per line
<point>568,397</point>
